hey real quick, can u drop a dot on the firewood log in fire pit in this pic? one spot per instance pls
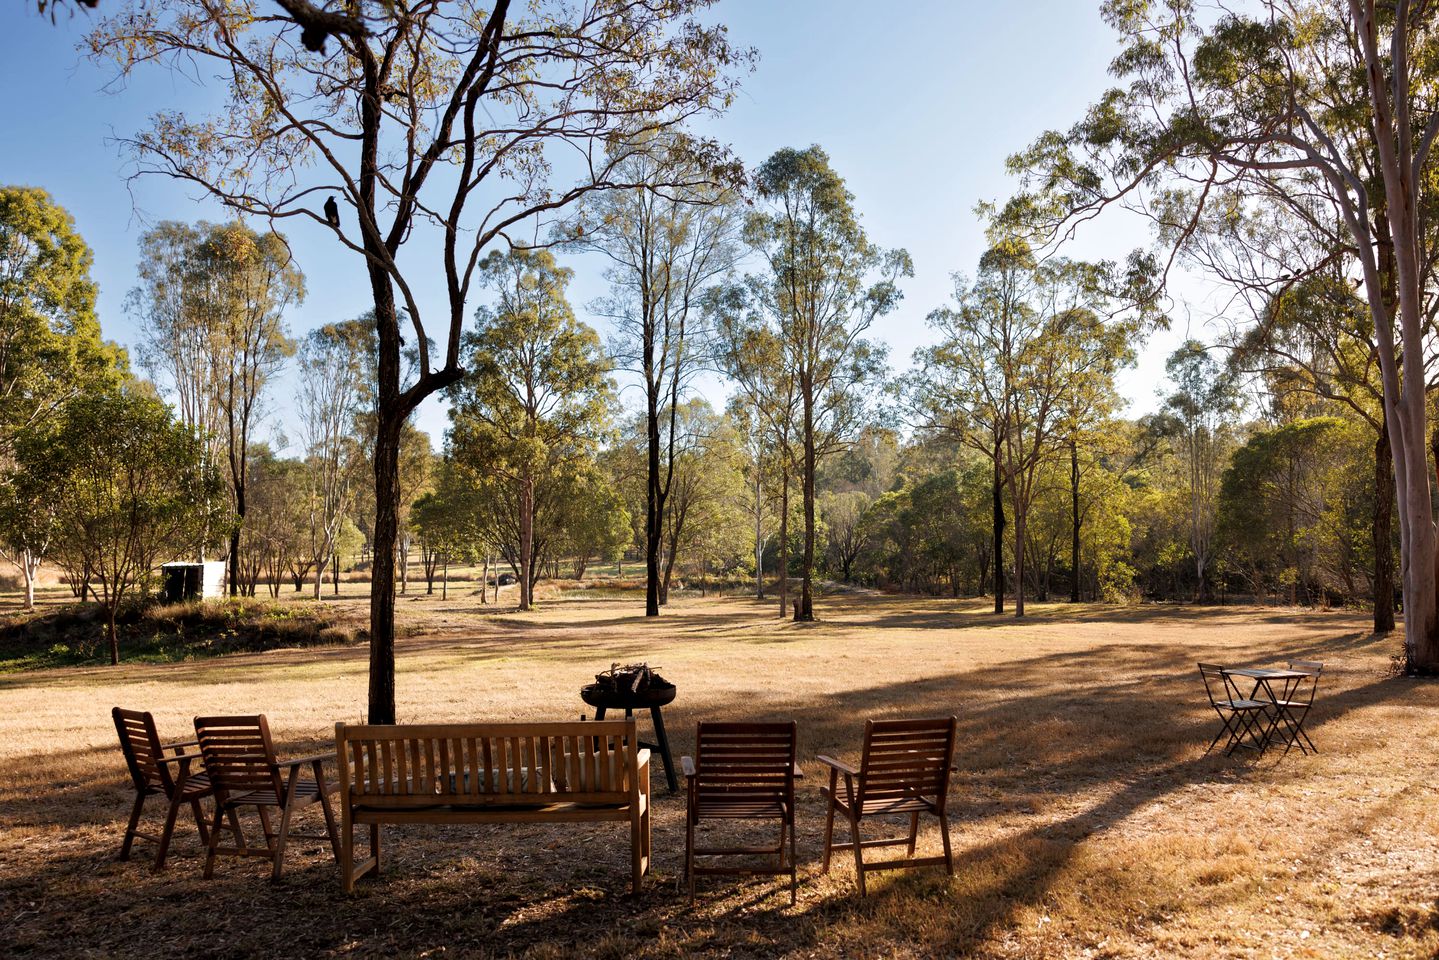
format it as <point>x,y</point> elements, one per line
<point>628,686</point>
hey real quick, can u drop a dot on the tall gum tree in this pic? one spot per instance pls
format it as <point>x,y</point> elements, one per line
<point>667,242</point>
<point>1312,105</point>
<point>50,349</point>
<point>824,287</point>
<point>470,126</point>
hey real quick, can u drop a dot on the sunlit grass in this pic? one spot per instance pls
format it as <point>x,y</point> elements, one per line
<point>1087,820</point>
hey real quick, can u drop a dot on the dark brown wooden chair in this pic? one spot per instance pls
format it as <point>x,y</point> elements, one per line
<point>155,772</point>
<point>904,769</point>
<point>741,771</point>
<point>240,759</point>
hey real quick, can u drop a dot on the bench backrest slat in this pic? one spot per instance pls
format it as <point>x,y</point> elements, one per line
<point>409,766</point>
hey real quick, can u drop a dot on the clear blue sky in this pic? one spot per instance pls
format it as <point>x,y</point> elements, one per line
<point>918,104</point>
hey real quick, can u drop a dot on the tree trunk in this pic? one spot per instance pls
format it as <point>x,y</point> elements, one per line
<point>1018,562</point>
<point>758,533</point>
<point>1383,534</point>
<point>485,578</point>
<point>806,597</point>
<point>654,500</point>
<point>234,566</point>
<point>1074,517</point>
<point>382,571</point>
<point>998,494</point>
<point>335,575</point>
<point>784,543</point>
<point>527,539</point>
<point>30,564</point>
<point>111,635</point>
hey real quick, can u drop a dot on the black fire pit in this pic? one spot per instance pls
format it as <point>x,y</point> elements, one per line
<point>630,689</point>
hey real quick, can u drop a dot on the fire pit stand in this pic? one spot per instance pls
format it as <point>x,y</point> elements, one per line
<point>652,699</point>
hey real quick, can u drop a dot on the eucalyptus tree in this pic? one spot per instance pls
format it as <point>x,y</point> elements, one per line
<point>212,299</point>
<point>130,486</point>
<point>439,123</point>
<point>1021,353</point>
<point>50,348</point>
<point>825,284</point>
<point>751,353</point>
<point>1200,415</point>
<point>1324,108</point>
<point>535,403</point>
<point>667,241</point>
<point>332,362</point>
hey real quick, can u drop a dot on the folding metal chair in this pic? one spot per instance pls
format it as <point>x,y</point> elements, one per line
<point>1292,706</point>
<point>1242,717</point>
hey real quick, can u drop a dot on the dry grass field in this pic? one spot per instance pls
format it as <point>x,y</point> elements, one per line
<point>1088,822</point>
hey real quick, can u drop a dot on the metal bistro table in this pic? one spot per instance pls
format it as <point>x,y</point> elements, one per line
<point>1264,679</point>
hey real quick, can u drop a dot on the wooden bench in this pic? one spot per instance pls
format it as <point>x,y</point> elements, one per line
<point>491,773</point>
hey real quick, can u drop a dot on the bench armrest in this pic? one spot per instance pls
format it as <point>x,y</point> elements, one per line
<point>642,758</point>
<point>839,765</point>
<point>687,766</point>
<point>298,761</point>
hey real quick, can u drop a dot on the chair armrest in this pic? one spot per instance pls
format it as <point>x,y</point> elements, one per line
<point>687,766</point>
<point>839,765</point>
<point>179,745</point>
<point>186,757</point>
<point>798,773</point>
<point>298,761</point>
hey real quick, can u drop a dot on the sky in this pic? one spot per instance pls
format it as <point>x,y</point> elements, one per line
<point>918,104</point>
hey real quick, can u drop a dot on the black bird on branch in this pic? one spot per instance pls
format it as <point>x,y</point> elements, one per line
<point>332,213</point>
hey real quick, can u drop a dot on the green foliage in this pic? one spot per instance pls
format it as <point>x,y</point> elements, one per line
<point>130,487</point>
<point>50,346</point>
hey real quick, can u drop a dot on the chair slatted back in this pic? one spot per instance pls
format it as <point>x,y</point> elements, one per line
<point>239,755</point>
<point>140,743</point>
<point>1216,681</point>
<point>495,764</point>
<point>745,762</point>
<point>1303,691</point>
<point>906,759</point>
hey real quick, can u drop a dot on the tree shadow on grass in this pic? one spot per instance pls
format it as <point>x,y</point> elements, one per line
<point>1083,738</point>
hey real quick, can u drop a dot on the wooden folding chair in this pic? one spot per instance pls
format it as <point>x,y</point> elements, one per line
<point>1242,717</point>
<point>741,771</point>
<point>240,759</point>
<point>904,768</point>
<point>156,773</point>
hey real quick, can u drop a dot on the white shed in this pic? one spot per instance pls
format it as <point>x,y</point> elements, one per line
<point>193,581</point>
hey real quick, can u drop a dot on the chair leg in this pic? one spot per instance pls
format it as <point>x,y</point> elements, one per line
<point>215,837</point>
<point>265,826</point>
<point>347,852</point>
<point>944,835</point>
<point>235,826</point>
<point>132,825</point>
<point>286,812</point>
<point>375,848</point>
<point>913,831</point>
<point>793,868</point>
<point>690,854</point>
<point>828,834</point>
<point>858,850</point>
<point>164,846</point>
<point>200,824</point>
<point>330,826</point>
